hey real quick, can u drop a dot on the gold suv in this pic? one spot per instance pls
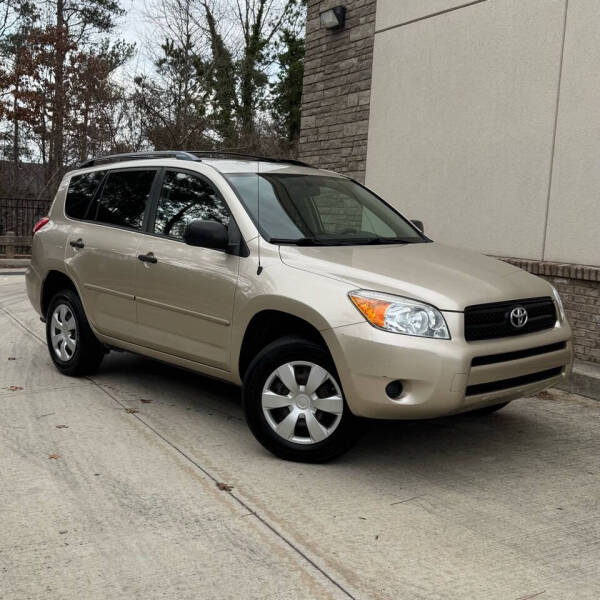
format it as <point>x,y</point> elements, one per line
<point>299,284</point>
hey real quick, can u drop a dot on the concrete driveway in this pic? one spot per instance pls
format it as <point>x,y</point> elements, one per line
<point>500,507</point>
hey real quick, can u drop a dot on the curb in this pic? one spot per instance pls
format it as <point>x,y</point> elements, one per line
<point>584,380</point>
<point>14,263</point>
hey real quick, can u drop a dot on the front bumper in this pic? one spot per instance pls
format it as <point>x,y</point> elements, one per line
<point>437,375</point>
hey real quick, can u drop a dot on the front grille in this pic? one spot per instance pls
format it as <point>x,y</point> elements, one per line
<point>502,384</point>
<point>489,321</point>
<point>490,359</point>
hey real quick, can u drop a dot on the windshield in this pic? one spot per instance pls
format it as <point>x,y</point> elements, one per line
<point>320,210</point>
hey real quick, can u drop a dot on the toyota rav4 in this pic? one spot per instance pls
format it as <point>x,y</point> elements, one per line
<point>315,295</point>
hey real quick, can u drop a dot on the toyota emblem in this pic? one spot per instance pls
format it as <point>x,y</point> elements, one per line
<point>518,317</point>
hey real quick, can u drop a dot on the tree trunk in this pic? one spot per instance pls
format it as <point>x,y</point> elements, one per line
<point>16,151</point>
<point>56,159</point>
<point>247,95</point>
<point>16,142</point>
<point>84,135</point>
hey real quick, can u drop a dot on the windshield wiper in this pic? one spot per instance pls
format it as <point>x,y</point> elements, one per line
<point>386,240</point>
<point>311,241</point>
<point>299,241</point>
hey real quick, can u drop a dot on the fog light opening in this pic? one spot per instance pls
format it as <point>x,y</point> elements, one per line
<point>394,389</point>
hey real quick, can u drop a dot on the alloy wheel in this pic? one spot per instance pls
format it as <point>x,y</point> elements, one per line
<point>63,332</point>
<point>302,402</point>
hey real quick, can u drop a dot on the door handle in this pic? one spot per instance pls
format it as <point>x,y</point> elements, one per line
<point>149,258</point>
<point>77,243</point>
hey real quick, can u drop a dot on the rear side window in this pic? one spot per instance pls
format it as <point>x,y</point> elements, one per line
<point>124,198</point>
<point>80,193</point>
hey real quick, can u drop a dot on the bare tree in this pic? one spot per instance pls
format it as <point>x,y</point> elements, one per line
<point>224,74</point>
<point>174,99</point>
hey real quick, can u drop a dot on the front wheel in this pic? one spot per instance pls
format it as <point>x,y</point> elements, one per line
<point>294,403</point>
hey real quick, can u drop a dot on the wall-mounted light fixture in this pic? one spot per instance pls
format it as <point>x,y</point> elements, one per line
<point>334,18</point>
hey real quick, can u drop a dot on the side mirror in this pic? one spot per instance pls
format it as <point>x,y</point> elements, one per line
<point>419,225</point>
<point>206,234</point>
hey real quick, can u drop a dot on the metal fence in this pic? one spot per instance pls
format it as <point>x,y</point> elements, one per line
<point>19,215</point>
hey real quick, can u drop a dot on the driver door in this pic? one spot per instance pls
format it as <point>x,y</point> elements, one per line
<point>185,294</point>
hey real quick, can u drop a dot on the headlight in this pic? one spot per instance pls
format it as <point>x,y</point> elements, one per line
<point>559,305</point>
<point>400,315</point>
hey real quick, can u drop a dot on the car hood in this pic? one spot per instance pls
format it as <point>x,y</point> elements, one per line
<point>446,277</point>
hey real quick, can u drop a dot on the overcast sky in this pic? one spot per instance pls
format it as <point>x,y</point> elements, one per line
<point>134,29</point>
<point>132,25</point>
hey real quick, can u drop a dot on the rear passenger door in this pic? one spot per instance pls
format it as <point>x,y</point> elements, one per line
<point>102,246</point>
<point>185,296</point>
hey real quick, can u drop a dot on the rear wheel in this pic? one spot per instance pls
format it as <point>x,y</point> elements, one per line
<point>73,347</point>
<point>294,403</point>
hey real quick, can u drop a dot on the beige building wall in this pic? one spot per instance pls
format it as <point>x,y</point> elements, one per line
<point>391,13</point>
<point>468,130</point>
<point>573,233</point>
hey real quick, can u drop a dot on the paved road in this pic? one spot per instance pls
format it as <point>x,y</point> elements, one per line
<point>502,507</point>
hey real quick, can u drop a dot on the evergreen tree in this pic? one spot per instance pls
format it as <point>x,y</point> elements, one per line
<point>287,89</point>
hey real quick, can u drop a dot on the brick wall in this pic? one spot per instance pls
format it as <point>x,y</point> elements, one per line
<point>582,305</point>
<point>337,88</point>
<point>579,288</point>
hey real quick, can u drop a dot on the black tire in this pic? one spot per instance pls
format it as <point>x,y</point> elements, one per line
<point>88,352</point>
<point>488,410</point>
<point>276,354</point>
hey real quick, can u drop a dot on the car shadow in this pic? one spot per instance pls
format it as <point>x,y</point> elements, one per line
<point>521,433</point>
<point>158,375</point>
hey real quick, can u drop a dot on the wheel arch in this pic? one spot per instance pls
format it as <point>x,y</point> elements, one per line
<point>54,281</point>
<point>270,324</point>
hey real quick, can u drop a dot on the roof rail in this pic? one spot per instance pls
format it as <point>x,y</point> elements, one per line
<point>233,155</point>
<point>184,155</point>
<point>180,154</point>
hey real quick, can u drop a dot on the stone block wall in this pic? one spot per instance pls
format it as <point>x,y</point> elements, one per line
<point>338,212</point>
<point>337,88</point>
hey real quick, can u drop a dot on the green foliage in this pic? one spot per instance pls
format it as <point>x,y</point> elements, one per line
<point>173,104</point>
<point>241,80</point>
<point>287,89</point>
<point>221,77</point>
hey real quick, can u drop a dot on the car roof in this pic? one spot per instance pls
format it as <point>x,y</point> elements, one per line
<point>229,166</point>
<point>184,160</point>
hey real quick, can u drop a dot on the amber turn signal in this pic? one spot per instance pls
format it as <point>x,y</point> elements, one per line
<point>371,308</point>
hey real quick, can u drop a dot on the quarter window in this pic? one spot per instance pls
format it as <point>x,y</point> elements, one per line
<point>124,198</point>
<point>80,193</point>
<point>184,198</point>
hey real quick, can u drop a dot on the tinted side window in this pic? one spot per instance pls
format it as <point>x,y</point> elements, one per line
<point>183,198</point>
<point>80,193</point>
<point>124,198</point>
